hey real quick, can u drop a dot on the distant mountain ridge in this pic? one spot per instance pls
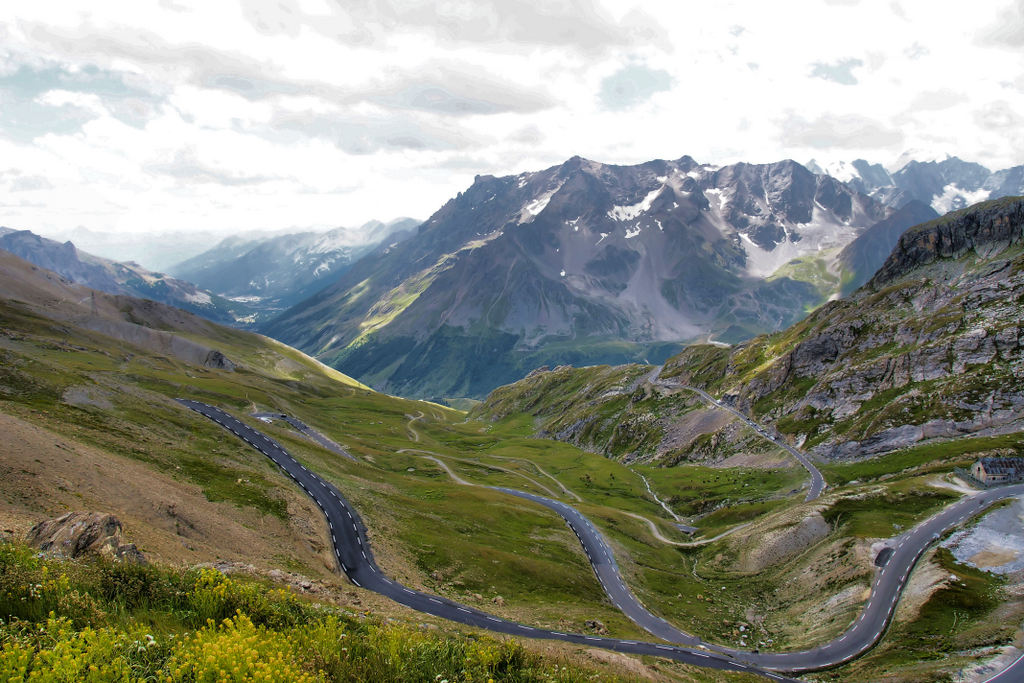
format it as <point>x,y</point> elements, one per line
<point>580,263</point>
<point>114,277</point>
<point>271,273</point>
<point>863,256</point>
<point>946,185</point>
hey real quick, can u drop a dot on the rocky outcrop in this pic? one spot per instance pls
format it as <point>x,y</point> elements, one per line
<point>77,534</point>
<point>985,228</point>
<point>930,349</point>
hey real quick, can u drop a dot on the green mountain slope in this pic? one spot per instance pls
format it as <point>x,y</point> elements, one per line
<point>87,388</point>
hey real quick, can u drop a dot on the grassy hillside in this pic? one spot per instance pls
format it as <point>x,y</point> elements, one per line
<point>89,404</point>
<point>915,374</point>
<point>102,621</point>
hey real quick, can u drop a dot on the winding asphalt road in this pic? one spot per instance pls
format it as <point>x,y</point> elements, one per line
<point>817,484</point>
<point>352,550</point>
<point>308,431</point>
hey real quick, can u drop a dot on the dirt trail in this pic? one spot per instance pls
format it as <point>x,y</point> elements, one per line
<point>413,434</point>
<point>542,472</point>
<point>434,456</point>
<point>656,532</point>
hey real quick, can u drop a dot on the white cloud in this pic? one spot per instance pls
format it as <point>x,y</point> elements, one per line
<point>309,113</point>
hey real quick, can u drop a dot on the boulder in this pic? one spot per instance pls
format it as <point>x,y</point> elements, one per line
<point>84,533</point>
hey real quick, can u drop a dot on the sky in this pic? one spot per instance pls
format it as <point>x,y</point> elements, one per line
<point>218,115</point>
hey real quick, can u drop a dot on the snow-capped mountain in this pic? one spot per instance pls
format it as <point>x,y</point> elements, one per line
<point>582,262</point>
<point>270,273</point>
<point>945,184</point>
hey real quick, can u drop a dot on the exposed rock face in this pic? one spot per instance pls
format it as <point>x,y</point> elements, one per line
<point>986,230</point>
<point>218,361</point>
<point>82,533</point>
<point>930,348</point>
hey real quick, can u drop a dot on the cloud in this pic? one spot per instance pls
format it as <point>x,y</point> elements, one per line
<point>25,183</point>
<point>998,116</point>
<point>1007,30</point>
<point>367,134</point>
<point>632,85</point>
<point>186,166</point>
<point>937,100</point>
<point>53,99</point>
<point>837,72</point>
<point>575,24</point>
<point>455,90</point>
<point>183,111</point>
<point>442,86</point>
<point>916,51</point>
<point>849,131</point>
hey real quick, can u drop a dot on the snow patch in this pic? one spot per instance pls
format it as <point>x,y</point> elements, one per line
<point>994,543</point>
<point>538,204</point>
<point>717,193</point>
<point>823,232</point>
<point>603,235</point>
<point>953,197</point>
<point>632,232</point>
<point>199,298</point>
<point>842,171</point>
<point>628,213</point>
<point>660,226</point>
<point>562,273</point>
<point>662,179</point>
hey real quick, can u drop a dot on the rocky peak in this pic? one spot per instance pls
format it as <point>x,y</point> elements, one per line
<point>986,228</point>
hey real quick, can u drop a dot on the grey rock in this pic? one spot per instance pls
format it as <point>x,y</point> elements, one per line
<point>77,534</point>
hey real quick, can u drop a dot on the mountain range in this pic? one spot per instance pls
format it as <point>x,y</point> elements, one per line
<point>123,278</point>
<point>945,185</point>
<point>582,263</point>
<point>929,350</point>
<point>272,273</point>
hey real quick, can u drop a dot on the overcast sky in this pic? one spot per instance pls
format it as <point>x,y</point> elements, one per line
<point>266,114</point>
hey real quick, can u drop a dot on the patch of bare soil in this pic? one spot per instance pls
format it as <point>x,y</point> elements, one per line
<point>46,474</point>
<point>764,461</point>
<point>681,431</point>
<point>993,558</point>
<point>927,578</point>
<point>780,544</point>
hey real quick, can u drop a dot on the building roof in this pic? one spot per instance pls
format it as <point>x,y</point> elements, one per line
<point>1002,465</point>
